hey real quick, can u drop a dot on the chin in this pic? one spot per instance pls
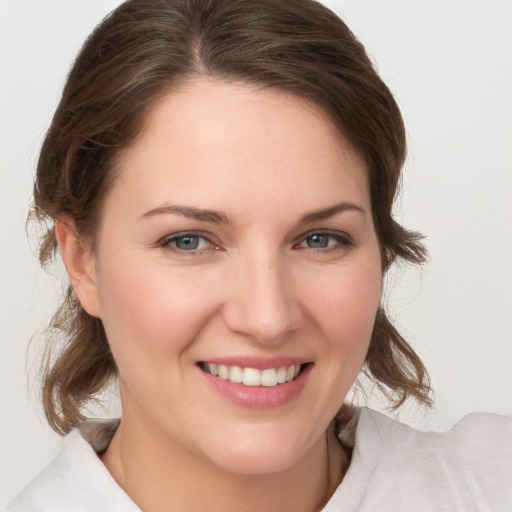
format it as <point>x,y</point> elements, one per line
<point>258,454</point>
<point>260,463</point>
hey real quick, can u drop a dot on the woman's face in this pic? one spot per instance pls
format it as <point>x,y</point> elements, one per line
<point>238,240</point>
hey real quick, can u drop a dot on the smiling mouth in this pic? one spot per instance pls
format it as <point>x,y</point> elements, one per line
<point>253,377</point>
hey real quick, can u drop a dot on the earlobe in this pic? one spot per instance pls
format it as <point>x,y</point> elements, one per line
<point>79,261</point>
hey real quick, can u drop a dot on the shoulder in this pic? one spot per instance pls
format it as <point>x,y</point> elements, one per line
<point>470,435</point>
<point>479,441</point>
<point>76,480</point>
<point>400,468</point>
<point>479,434</point>
<point>470,466</point>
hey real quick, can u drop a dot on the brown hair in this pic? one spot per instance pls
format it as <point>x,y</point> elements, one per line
<point>142,50</point>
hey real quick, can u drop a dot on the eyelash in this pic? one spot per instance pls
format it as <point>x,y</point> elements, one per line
<point>342,242</point>
<point>168,241</point>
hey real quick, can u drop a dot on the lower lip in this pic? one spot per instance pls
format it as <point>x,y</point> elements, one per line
<point>259,397</point>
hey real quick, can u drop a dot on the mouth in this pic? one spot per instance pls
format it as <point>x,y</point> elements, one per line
<point>254,377</point>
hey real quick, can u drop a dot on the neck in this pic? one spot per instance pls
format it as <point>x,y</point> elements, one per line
<point>161,476</point>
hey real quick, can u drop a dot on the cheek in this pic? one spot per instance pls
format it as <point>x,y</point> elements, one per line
<point>347,308</point>
<point>344,312</point>
<point>150,313</point>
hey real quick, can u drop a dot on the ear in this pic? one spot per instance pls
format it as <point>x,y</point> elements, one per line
<point>79,261</point>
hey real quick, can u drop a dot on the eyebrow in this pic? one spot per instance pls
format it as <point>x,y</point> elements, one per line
<point>326,213</point>
<point>221,218</point>
<point>190,212</point>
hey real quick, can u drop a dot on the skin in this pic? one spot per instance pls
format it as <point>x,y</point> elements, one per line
<point>256,286</point>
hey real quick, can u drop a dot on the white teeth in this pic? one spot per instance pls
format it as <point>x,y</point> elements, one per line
<point>252,377</point>
<point>223,372</point>
<point>235,374</point>
<point>269,377</point>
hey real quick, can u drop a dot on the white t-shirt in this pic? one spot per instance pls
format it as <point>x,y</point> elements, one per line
<point>394,468</point>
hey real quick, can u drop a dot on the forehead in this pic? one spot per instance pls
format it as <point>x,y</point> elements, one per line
<point>212,141</point>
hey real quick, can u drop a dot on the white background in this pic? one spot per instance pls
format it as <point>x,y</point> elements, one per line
<point>449,63</point>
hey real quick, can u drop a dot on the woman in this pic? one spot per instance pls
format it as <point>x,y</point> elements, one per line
<point>220,175</point>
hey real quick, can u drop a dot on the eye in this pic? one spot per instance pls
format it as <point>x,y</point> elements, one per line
<point>324,241</point>
<point>187,242</point>
<point>319,241</point>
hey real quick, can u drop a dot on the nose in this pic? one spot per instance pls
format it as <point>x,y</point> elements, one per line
<point>262,304</point>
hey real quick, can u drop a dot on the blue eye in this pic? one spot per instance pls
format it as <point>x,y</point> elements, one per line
<point>186,242</point>
<point>318,241</point>
<point>325,241</point>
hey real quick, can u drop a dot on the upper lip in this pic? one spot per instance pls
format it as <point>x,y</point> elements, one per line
<point>257,362</point>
